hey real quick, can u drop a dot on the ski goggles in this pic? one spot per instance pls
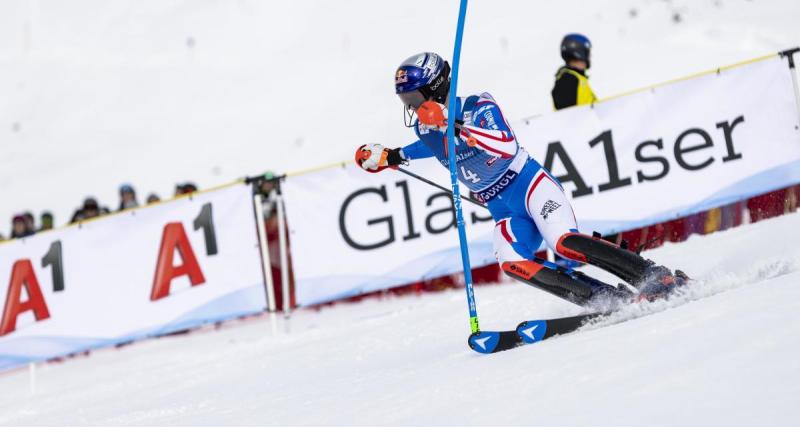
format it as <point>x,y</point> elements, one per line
<point>413,99</point>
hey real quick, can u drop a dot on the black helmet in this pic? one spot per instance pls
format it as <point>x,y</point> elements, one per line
<point>576,46</point>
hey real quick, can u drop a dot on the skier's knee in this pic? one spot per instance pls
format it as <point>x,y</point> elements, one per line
<point>504,243</point>
<point>506,253</point>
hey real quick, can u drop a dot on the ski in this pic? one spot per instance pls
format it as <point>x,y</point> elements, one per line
<point>573,286</point>
<point>533,331</point>
<point>528,332</point>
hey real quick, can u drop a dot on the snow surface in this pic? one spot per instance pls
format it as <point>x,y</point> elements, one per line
<point>96,93</point>
<point>723,353</point>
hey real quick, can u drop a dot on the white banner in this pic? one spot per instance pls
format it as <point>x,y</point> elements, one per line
<point>353,232</point>
<point>138,273</point>
<point>631,161</point>
<point>675,149</point>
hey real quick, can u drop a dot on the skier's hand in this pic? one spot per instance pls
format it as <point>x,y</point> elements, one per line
<point>432,114</point>
<point>372,157</point>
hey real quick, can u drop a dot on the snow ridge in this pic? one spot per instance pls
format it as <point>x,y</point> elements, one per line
<point>713,283</point>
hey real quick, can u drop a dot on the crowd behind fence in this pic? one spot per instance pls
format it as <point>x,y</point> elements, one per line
<point>24,224</point>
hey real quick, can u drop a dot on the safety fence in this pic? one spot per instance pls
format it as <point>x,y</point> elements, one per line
<point>138,273</point>
<point>628,162</point>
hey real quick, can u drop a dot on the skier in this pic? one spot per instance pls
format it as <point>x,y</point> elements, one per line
<point>527,204</point>
<point>572,83</point>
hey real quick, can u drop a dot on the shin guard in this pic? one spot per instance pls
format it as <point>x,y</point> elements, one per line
<point>575,288</point>
<point>628,265</point>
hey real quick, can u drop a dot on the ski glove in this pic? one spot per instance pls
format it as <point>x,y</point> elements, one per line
<point>375,158</point>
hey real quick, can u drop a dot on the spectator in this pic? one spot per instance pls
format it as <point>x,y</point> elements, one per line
<point>18,227</point>
<point>47,221</point>
<point>153,198</point>
<point>189,188</point>
<point>572,83</point>
<point>30,224</point>
<point>90,209</point>
<point>127,197</point>
<point>185,188</point>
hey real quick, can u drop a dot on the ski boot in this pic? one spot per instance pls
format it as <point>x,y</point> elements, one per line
<point>660,282</point>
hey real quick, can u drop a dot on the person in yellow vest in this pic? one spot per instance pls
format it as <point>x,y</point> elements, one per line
<point>572,84</point>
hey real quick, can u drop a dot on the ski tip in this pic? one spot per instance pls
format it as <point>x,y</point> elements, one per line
<point>484,342</point>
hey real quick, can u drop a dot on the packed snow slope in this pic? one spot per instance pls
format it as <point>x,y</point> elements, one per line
<point>96,93</point>
<point>725,352</point>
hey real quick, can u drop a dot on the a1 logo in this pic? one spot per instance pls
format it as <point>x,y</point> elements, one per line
<point>23,276</point>
<point>173,239</point>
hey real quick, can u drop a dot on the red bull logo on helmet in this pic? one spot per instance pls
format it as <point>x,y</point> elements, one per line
<point>401,77</point>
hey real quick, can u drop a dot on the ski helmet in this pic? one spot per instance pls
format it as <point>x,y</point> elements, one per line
<point>421,77</point>
<point>576,46</point>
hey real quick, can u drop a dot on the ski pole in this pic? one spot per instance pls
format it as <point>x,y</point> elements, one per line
<point>446,190</point>
<point>451,147</point>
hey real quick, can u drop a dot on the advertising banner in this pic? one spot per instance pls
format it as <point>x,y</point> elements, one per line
<point>675,149</point>
<point>354,232</point>
<point>130,275</point>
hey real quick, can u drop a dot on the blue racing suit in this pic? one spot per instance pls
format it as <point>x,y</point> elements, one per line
<point>526,202</point>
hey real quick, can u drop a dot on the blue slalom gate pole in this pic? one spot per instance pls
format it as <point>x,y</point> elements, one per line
<point>451,150</point>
